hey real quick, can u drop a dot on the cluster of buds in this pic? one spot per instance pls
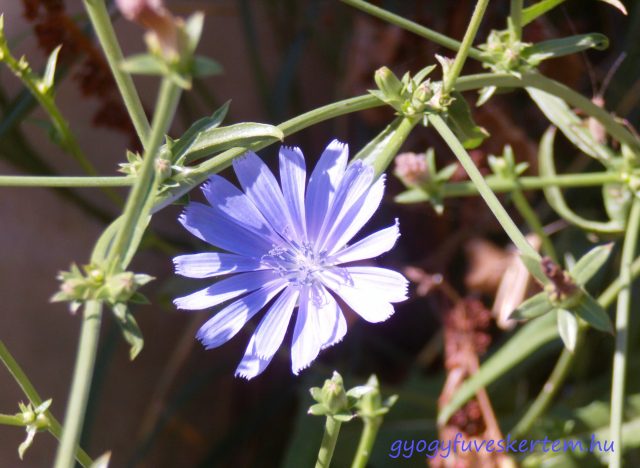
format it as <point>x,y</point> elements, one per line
<point>364,401</point>
<point>35,419</point>
<point>504,53</point>
<point>505,166</point>
<point>92,283</point>
<point>411,97</point>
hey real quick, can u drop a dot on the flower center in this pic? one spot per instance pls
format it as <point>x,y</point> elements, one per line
<point>301,265</point>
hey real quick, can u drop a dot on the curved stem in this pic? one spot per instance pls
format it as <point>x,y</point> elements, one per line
<point>63,181</point>
<point>622,332</point>
<point>101,22</point>
<point>485,191</point>
<point>367,439</point>
<point>329,439</point>
<point>501,185</point>
<point>463,52</point>
<point>79,394</point>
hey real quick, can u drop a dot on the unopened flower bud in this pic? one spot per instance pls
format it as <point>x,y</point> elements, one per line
<point>162,26</point>
<point>411,168</point>
<point>388,83</point>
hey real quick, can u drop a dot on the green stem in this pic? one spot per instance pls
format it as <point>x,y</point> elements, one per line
<point>501,185</point>
<point>329,439</point>
<point>485,191</point>
<point>550,388</point>
<point>367,439</point>
<point>463,52</point>
<point>168,98</point>
<point>101,22</point>
<point>79,394</point>
<point>515,14</point>
<point>45,98</point>
<point>411,26</point>
<point>11,420</point>
<point>531,218</point>
<point>61,181</point>
<point>622,332</point>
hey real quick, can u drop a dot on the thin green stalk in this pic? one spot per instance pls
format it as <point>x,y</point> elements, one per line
<point>622,332</point>
<point>515,13</point>
<point>367,439</point>
<point>11,420</point>
<point>168,98</point>
<point>411,26</point>
<point>46,100</point>
<point>101,22</point>
<point>501,185</point>
<point>329,439</point>
<point>463,52</point>
<point>79,394</point>
<point>30,392</point>
<point>62,181</point>
<point>485,191</point>
<point>550,388</point>
<point>531,218</point>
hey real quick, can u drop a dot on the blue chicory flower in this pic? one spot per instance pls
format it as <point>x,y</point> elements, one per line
<point>287,243</point>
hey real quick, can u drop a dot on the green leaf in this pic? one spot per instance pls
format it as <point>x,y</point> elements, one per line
<point>591,312</point>
<point>144,64</point>
<point>565,46</point>
<point>558,113</point>
<point>204,66</point>
<point>215,140</point>
<point>568,329</point>
<point>538,9</point>
<point>554,196</point>
<point>590,263</point>
<point>413,195</point>
<point>130,330</point>
<point>193,29</point>
<point>533,307</point>
<point>526,341</point>
<point>485,94</point>
<point>184,143</point>
<point>50,70</point>
<point>461,123</point>
<point>136,238</point>
<point>380,151</point>
<point>101,249</point>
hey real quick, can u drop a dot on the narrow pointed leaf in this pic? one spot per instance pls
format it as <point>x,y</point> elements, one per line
<point>565,46</point>
<point>220,139</point>
<point>538,9</point>
<point>525,342</point>
<point>414,195</point>
<point>591,312</point>
<point>568,329</point>
<point>590,263</point>
<point>204,66</point>
<point>184,143</point>
<point>50,70</point>
<point>130,329</point>
<point>617,4</point>
<point>143,64</point>
<point>559,113</point>
<point>461,123</point>
<point>533,307</point>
